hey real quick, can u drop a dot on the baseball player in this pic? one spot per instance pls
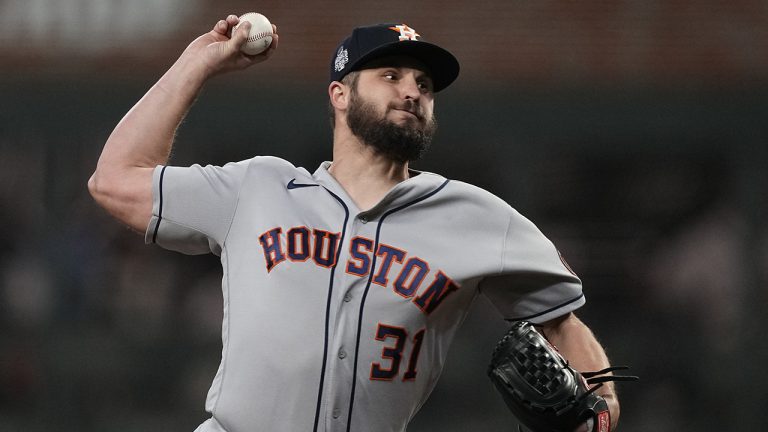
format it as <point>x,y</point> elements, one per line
<point>343,286</point>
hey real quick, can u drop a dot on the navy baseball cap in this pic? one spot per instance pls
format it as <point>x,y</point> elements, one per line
<point>371,42</point>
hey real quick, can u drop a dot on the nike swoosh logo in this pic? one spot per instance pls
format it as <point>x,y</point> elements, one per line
<point>293,185</point>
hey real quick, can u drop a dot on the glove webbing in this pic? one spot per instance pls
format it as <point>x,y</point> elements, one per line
<point>599,377</point>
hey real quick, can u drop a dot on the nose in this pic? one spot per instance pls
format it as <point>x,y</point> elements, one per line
<point>409,87</point>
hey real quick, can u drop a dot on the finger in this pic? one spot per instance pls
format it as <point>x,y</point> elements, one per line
<point>273,45</point>
<point>231,21</point>
<point>221,27</point>
<point>240,34</point>
<point>275,37</point>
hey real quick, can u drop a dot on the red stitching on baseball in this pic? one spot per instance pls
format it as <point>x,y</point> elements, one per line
<point>258,36</point>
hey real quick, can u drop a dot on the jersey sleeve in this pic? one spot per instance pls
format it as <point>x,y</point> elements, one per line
<point>534,282</point>
<point>193,207</point>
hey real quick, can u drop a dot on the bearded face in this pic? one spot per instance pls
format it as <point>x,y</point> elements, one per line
<point>404,142</point>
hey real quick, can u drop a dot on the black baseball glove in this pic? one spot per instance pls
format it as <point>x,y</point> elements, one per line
<point>542,390</point>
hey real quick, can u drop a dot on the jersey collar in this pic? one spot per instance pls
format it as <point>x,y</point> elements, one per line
<point>402,193</point>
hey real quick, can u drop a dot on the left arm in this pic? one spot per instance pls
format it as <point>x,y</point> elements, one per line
<point>576,342</point>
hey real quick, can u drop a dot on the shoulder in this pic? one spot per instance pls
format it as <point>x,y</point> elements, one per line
<point>492,210</point>
<point>271,166</point>
<point>474,206</point>
<point>476,197</point>
<point>269,162</point>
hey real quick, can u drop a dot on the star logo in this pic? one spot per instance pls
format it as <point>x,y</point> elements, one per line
<point>406,33</point>
<point>342,58</point>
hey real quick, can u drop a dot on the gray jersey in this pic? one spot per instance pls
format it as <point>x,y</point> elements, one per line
<point>337,319</point>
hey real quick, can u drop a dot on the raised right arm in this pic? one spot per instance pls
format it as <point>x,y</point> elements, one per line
<point>122,181</point>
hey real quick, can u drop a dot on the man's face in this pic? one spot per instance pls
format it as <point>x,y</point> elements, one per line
<point>391,108</point>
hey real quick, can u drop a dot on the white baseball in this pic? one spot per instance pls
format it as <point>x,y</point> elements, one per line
<point>260,36</point>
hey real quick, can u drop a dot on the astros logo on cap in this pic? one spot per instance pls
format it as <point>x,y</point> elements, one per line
<point>406,33</point>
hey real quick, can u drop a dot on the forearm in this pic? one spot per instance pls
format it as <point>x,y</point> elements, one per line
<point>576,342</point>
<point>144,136</point>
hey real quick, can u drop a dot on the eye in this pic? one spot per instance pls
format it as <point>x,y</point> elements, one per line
<point>425,85</point>
<point>390,76</point>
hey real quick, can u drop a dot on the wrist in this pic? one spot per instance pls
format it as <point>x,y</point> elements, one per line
<point>186,77</point>
<point>613,408</point>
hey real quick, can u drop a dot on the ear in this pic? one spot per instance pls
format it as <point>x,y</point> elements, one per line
<point>338,94</point>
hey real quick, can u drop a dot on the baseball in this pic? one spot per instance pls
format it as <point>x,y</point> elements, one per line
<point>260,36</point>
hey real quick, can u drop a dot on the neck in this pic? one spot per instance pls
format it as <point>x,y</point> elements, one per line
<point>365,175</point>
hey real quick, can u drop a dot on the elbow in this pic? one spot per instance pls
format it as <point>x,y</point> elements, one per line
<point>96,187</point>
<point>124,194</point>
<point>104,189</point>
<point>92,189</point>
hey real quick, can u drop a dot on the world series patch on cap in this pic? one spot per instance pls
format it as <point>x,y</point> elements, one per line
<point>380,40</point>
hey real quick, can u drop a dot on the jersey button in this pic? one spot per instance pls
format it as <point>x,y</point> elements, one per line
<point>342,354</point>
<point>336,413</point>
<point>363,219</point>
<point>347,298</point>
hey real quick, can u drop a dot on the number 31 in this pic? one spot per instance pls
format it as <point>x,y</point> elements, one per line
<point>394,353</point>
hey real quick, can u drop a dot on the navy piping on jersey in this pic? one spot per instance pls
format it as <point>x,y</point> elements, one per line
<point>160,206</point>
<point>368,285</point>
<point>526,318</point>
<point>328,304</point>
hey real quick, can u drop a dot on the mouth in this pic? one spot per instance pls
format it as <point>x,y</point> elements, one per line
<point>410,107</point>
<point>410,113</point>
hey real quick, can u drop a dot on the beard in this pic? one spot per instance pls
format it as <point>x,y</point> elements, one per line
<point>400,143</point>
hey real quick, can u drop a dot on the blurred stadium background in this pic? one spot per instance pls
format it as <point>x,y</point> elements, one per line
<point>634,133</point>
